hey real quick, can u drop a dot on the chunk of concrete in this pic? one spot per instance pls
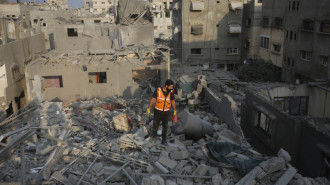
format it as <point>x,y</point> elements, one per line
<point>167,162</point>
<point>201,170</point>
<point>170,182</point>
<point>272,165</point>
<point>179,155</point>
<point>120,123</point>
<point>284,154</point>
<point>153,180</point>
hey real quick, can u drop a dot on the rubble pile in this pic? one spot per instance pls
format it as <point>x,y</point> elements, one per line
<point>108,142</point>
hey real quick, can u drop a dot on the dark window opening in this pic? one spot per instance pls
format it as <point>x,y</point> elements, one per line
<point>293,5</point>
<point>259,1</point>
<point>218,2</point>
<point>265,123</point>
<point>247,44</point>
<point>82,21</point>
<point>308,25</point>
<point>277,48</point>
<point>134,16</point>
<point>325,27</point>
<point>295,35</point>
<point>97,21</point>
<point>248,22</point>
<point>297,106</point>
<point>52,82</point>
<point>72,32</point>
<point>196,51</point>
<point>216,48</point>
<point>278,22</point>
<point>265,21</point>
<point>44,24</point>
<point>217,25</point>
<point>35,21</point>
<point>97,77</point>
<point>291,34</point>
<point>289,5</point>
<point>297,5</point>
<point>287,34</point>
<point>306,55</point>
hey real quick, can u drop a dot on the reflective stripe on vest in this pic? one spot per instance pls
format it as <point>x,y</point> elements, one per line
<point>163,103</point>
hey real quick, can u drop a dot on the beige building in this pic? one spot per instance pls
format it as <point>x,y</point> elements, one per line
<point>101,6</point>
<point>162,19</point>
<point>211,33</point>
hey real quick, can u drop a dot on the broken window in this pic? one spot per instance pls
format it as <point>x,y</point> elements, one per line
<point>97,77</point>
<point>44,24</point>
<point>35,21</point>
<point>247,43</point>
<point>197,29</point>
<point>277,48</point>
<point>248,22</point>
<point>232,51</point>
<point>297,106</point>
<point>72,32</point>
<point>52,82</point>
<point>308,25</point>
<point>16,74</point>
<point>196,51</point>
<point>264,42</point>
<point>324,60</point>
<point>278,22</point>
<point>155,27</point>
<point>265,123</point>
<point>306,55</point>
<point>265,21</point>
<point>97,21</point>
<point>325,27</point>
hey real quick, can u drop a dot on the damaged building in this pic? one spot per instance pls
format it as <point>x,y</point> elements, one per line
<point>75,87</point>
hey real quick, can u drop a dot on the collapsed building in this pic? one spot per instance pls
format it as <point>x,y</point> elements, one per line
<point>75,114</point>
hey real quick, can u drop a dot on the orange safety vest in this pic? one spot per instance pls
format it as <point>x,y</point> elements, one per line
<point>163,103</point>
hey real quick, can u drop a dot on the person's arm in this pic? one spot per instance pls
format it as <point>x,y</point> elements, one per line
<point>173,105</point>
<point>152,101</point>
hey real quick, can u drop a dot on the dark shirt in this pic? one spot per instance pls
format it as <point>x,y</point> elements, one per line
<point>158,112</point>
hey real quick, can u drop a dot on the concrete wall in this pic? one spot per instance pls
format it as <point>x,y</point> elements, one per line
<point>95,40</point>
<point>215,39</point>
<point>287,132</point>
<point>9,9</point>
<point>319,100</point>
<point>222,107</point>
<point>76,81</point>
<point>17,53</point>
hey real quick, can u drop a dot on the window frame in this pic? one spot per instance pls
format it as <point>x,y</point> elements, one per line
<point>305,55</point>
<point>262,42</point>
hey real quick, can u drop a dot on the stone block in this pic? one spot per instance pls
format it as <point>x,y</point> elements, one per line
<point>201,170</point>
<point>120,123</point>
<point>179,155</point>
<point>272,165</point>
<point>167,162</point>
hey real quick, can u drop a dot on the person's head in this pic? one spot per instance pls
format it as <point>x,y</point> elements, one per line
<point>169,85</point>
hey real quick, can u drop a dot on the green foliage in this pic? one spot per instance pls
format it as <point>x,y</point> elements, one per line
<point>259,71</point>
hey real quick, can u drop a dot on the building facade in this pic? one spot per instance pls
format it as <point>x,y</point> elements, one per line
<point>211,32</point>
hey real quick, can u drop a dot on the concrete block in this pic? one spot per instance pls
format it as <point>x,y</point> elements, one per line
<point>153,180</point>
<point>120,123</point>
<point>188,142</point>
<point>179,155</point>
<point>167,162</point>
<point>97,167</point>
<point>201,170</point>
<point>272,165</point>
<point>284,154</point>
<point>287,176</point>
<point>213,171</point>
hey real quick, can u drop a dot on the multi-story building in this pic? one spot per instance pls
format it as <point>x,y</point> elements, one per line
<point>97,7</point>
<point>3,1</point>
<point>162,19</point>
<point>252,19</point>
<point>63,4</point>
<point>211,32</point>
<point>295,36</point>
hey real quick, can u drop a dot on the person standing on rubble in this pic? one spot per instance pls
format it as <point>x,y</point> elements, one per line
<point>164,98</point>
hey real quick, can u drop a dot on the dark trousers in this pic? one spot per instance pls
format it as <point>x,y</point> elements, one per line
<point>160,116</point>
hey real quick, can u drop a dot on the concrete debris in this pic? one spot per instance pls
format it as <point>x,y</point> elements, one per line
<point>62,138</point>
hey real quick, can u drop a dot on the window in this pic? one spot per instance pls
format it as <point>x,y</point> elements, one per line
<point>306,55</point>
<point>291,34</point>
<point>217,49</point>
<point>264,42</point>
<point>289,5</point>
<point>44,24</point>
<point>324,60</point>
<point>232,51</point>
<point>293,5</point>
<point>277,48</point>
<point>95,2</point>
<point>308,25</point>
<point>297,105</point>
<point>325,27</point>
<point>169,27</point>
<point>297,5</point>
<point>265,123</point>
<point>35,21</point>
<point>52,82</point>
<point>103,9</point>
<point>259,1</point>
<point>103,2</point>
<point>196,51</point>
<point>287,34</point>
<point>218,2</point>
<point>265,21</point>
<point>247,44</point>
<point>248,22</point>
<point>295,35</point>
<point>278,22</point>
<point>196,29</point>
<point>97,21</point>
<point>97,77</point>
<point>155,27</point>
<point>72,32</point>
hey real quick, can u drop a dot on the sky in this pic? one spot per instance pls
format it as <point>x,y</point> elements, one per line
<point>72,3</point>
